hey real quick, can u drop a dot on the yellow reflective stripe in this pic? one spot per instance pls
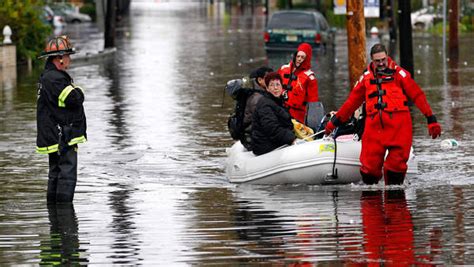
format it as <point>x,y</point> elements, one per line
<point>77,87</point>
<point>54,148</point>
<point>62,97</point>
<point>47,150</point>
<point>80,88</point>
<point>77,140</point>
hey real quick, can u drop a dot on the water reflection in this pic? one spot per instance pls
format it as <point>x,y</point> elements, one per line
<point>8,81</point>
<point>455,95</point>
<point>459,228</point>
<point>388,228</point>
<point>227,228</point>
<point>281,225</point>
<point>118,117</point>
<point>63,246</point>
<point>126,242</point>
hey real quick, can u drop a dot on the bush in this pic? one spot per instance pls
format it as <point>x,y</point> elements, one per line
<point>29,31</point>
<point>89,9</point>
<point>338,21</point>
<point>468,21</point>
<point>438,28</point>
<point>281,4</point>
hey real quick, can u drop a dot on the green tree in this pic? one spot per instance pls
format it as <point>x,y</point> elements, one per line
<point>89,9</point>
<point>30,31</point>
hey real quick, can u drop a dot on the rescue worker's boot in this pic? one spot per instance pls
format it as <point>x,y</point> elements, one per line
<point>65,190</point>
<point>369,179</point>
<point>68,177</point>
<point>393,178</point>
<point>52,186</point>
<point>53,177</point>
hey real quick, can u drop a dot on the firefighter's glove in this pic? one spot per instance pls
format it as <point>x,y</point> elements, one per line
<point>434,128</point>
<point>332,125</point>
<point>284,95</point>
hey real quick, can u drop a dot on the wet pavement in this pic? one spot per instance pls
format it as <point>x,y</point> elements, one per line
<point>152,188</point>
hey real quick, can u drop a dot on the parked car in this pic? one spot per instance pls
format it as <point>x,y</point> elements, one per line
<point>425,18</point>
<point>55,20</point>
<point>288,28</point>
<point>70,13</point>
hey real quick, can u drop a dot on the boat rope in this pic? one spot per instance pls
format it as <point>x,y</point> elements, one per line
<point>334,170</point>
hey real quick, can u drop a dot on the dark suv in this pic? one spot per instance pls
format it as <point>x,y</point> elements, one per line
<point>287,29</point>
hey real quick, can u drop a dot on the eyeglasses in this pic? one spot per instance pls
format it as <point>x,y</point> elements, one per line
<point>380,60</point>
<point>277,84</point>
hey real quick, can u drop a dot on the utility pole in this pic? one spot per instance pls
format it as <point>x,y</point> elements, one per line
<point>453,30</point>
<point>318,6</point>
<point>406,42</point>
<point>382,10</point>
<point>392,26</point>
<point>110,20</point>
<point>267,11</point>
<point>356,39</point>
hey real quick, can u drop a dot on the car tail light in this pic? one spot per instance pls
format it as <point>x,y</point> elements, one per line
<point>317,38</point>
<point>266,37</point>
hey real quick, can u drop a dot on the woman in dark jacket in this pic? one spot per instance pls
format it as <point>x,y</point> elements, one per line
<point>272,126</point>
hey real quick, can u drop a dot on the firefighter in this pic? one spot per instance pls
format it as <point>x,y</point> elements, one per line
<point>385,87</point>
<point>61,121</point>
<point>301,88</point>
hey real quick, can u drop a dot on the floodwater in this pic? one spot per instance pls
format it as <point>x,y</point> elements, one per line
<point>152,188</point>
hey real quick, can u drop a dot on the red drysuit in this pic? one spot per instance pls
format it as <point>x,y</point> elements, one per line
<point>303,88</point>
<point>388,121</point>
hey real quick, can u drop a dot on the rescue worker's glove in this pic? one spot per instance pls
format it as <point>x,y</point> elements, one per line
<point>284,95</point>
<point>434,128</point>
<point>332,125</point>
<point>329,128</point>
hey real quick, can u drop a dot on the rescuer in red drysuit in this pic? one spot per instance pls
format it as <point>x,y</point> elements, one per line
<point>301,87</point>
<point>385,88</point>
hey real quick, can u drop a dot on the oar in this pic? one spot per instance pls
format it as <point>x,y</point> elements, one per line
<point>313,135</point>
<point>307,137</point>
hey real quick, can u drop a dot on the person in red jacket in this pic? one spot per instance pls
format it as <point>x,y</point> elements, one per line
<point>385,87</point>
<point>301,88</point>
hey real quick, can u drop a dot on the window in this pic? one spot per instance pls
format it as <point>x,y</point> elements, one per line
<point>292,20</point>
<point>323,24</point>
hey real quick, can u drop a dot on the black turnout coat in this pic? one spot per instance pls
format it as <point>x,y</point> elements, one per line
<point>59,109</point>
<point>271,125</point>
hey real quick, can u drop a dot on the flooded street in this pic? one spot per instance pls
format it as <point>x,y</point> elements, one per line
<point>151,184</point>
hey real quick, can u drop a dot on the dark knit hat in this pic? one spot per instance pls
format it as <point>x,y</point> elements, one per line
<point>260,72</point>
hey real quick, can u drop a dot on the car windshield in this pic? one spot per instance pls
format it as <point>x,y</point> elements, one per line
<point>292,21</point>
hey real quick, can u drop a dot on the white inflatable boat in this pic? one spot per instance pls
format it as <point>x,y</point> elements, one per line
<point>304,163</point>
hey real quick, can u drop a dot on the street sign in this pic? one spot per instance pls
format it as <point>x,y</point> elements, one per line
<point>371,8</point>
